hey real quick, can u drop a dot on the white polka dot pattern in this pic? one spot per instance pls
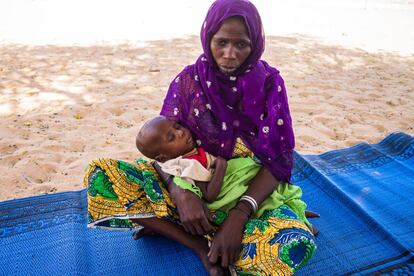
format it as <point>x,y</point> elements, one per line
<point>261,117</point>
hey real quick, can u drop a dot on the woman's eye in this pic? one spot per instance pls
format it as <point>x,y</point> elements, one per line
<point>171,137</point>
<point>242,45</point>
<point>222,43</point>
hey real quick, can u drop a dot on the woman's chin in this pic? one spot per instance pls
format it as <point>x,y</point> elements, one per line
<point>227,71</point>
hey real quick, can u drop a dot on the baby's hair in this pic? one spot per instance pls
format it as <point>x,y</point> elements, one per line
<point>144,146</point>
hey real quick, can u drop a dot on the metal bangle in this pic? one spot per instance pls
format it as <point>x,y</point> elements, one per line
<point>252,202</point>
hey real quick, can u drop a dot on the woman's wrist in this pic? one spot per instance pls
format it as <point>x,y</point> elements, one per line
<point>242,211</point>
<point>245,216</point>
<point>237,220</point>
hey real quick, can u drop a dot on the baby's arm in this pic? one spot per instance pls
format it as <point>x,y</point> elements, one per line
<point>212,189</point>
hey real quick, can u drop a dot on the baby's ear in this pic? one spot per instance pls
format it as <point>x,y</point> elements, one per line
<point>161,158</point>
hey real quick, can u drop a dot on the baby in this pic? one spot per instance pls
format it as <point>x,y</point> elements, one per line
<point>219,182</point>
<point>173,147</point>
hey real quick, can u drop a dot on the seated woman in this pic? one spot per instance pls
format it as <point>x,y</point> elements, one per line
<point>228,95</point>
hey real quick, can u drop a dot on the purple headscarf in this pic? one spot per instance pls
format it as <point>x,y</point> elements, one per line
<point>251,104</point>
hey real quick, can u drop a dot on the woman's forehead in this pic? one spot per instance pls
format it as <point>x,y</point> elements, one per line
<point>232,27</point>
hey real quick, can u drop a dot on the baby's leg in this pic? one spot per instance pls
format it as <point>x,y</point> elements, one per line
<point>177,233</point>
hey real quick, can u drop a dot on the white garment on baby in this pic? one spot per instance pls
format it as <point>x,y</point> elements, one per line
<point>189,169</point>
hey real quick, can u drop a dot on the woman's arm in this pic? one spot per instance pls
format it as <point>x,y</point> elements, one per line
<point>262,185</point>
<point>212,189</point>
<point>192,211</point>
<point>228,238</point>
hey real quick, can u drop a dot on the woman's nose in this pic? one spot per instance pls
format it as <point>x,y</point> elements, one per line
<point>229,52</point>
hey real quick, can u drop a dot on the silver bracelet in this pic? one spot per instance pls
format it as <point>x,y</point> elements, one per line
<point>251,201</point>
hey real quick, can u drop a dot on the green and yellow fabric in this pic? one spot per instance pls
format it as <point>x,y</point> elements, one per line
<point>277,241</point>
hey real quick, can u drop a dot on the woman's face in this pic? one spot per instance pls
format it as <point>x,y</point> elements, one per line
<point>230,46</point>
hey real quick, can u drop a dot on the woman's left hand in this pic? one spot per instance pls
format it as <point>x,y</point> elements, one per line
<point>227,240</point>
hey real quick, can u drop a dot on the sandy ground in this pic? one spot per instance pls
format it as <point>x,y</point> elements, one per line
<point>62,106</point>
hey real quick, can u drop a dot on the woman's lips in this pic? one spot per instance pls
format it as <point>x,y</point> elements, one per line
<point>227,69</point>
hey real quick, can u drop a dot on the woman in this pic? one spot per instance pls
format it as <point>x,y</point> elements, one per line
<point>229,93</point>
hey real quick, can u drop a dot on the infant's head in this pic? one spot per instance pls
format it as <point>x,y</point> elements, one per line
<point>162,139</point>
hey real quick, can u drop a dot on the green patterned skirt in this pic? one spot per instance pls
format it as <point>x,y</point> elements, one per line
<point>276,243</point>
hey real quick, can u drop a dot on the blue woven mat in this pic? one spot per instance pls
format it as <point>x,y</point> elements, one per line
<point>365,195</point>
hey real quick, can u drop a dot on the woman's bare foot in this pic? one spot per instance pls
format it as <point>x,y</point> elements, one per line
<point>311,214</point>
<point>314,230</point>
<point>142,232</point>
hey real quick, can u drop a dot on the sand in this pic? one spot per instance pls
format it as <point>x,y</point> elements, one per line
<point>61,107</point>
<point>77,79</point>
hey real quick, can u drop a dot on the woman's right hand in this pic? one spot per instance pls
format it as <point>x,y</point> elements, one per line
<point>193,212</point>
